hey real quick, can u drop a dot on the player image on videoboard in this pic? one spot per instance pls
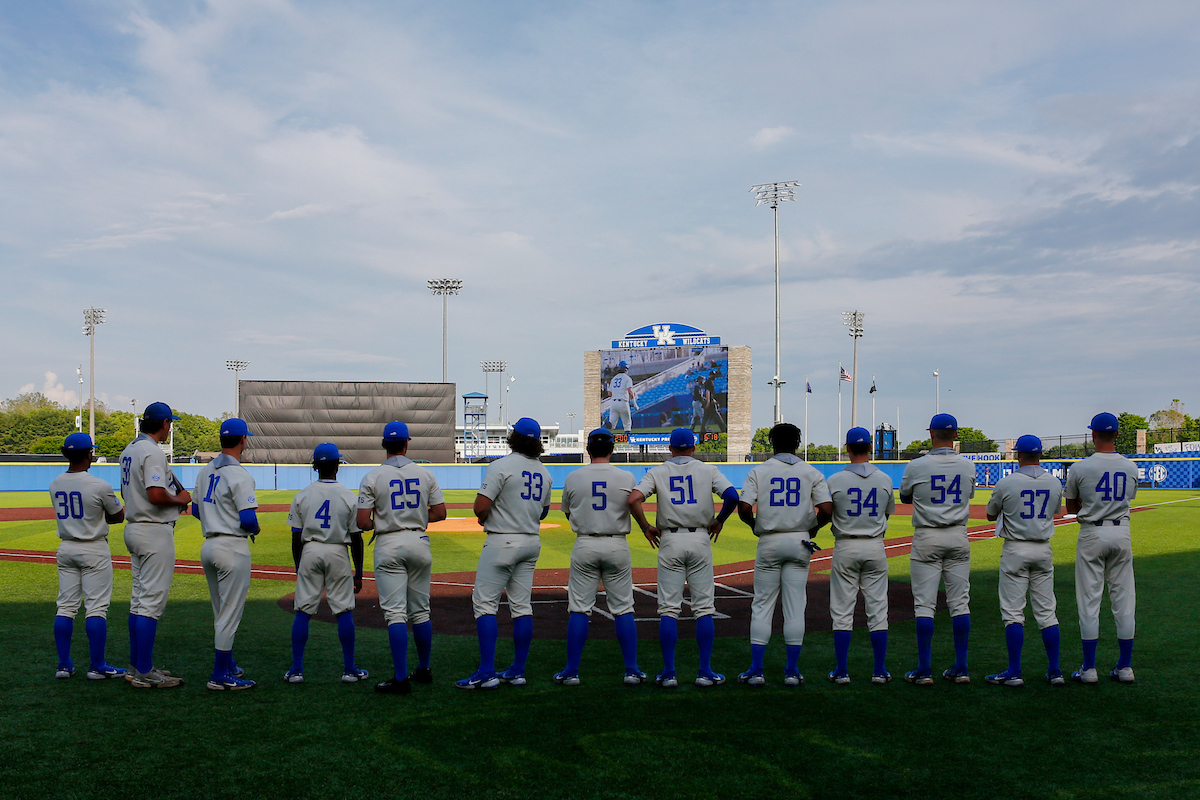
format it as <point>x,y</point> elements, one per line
<point>658,389</point>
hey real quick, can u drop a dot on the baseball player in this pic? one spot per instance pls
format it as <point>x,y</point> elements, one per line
<point>322,519</point>
<point>224,502</point>
<point>154,499</point>
<point>620,389</point>
<point>1025,502</point>
<point>793,504</point>
<point>85,506</point>
<point>1099,491</point>
<point>697,404</point>
<point>862,502</point>
<point>398,499</point>
<point>682,529</point>
<point>940,486</point>
<point>595,499</point>
<point>514,498</point>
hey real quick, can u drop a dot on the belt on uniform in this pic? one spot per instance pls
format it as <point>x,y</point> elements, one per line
<point>676,530</point>
<point>1100,522</point>
<point>603,534</point>
<point>398,530</point>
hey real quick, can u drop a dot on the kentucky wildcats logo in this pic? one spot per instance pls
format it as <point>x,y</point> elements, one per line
<point>666,334</point>
<point>663,334</point>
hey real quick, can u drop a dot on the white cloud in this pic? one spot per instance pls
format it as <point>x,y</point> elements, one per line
<point>54,391</point>
<point>299,212</point>
<point>767,137</point>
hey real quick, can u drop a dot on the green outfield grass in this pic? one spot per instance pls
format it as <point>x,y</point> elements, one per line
<point>602,740</point>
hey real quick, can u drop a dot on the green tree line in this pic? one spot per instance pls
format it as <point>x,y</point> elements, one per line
<point>32,423</point>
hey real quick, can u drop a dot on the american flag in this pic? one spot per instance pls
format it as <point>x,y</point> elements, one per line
<point>846,376</point>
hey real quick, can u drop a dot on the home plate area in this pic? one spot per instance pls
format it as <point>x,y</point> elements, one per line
<point>450,604</point>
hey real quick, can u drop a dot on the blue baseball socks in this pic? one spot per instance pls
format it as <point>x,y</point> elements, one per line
<point>1051,640</point>
<point>879,648</point>
<point>398,639</point>
<point>668,635</point>
<point>423,638</point>
<point>627,638</point>
<point>924,645</point>
<point>299,640</point>
<point>962,636</point>
<point>345,623</point>
<point>577,632</point>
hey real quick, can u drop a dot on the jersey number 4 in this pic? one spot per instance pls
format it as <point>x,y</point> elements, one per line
<point>937,483</point>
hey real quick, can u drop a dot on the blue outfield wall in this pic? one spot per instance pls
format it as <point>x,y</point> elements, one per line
<point>1154,473</point>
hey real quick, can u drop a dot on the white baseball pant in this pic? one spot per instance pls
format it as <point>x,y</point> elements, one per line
<point>1027,567</point>
<point>780,566</point>
<point>85,575</point>
<point>1104,554</point>
<point>226,562</point>
<point>506,566</point>
<point>618,412</point>
<point>937,554</point>
<point>403,568</point>
<point>595,559</point>
<point>151,548</point>
<point>685,557</point>
<point>859,565</point>
<point>324,567</point>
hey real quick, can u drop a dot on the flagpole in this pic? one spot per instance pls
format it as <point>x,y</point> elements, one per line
<point>872,405</point>
<point>840,435</point>
<point>806,440</point>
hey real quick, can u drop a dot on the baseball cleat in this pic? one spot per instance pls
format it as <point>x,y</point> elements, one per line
<point>919,677</point>
<point>355,675</point>
<point>129,673</point>
<point>236,671</point>
<point>706,679</point>
<point>1087,676</point>
<point>752,678</point>
<point>393,686</point>
<point>155,679</point>
<point>1056,678</point>
<point>294,676</point>
<point>667,680</point>
<point>104,671</point>
<point>881,677</point>
<point>839,678</point>
<point>956,675</point>
<point>228,683</point>
<point>565,678</point>
<point>792,679</point>
<point>513,676</point>
<point>479,680</point>
<point>64,671</point>
<point>634,677</point>
<point>1122,674</point>
<point>1004,679</point>
<point>421,675</point>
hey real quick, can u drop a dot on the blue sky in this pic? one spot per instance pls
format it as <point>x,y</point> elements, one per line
<point>1007,190</point>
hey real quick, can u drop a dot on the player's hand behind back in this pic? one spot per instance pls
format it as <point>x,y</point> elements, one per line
<point>714,529</point>
<point>652,536</point>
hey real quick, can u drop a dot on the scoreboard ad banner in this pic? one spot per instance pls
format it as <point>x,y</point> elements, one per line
<point>647,391</point>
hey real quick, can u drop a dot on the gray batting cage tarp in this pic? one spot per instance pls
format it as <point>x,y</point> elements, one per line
<point>290,418</point>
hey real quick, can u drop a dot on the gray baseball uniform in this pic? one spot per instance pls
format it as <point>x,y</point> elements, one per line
<point>596,500</point>
<point>787,491</point>
<point>399,494</point>
<point>941,485</point>
<point>862,502</point>
<point>621,387</point>
<point>149,529</point>
<point>519,488</point>
<point>81,502</point>
<point>1105,485</point>
<point>223,488</point>
<point>685,509</point>
<point>324,512</point>
<point>1026,501</point>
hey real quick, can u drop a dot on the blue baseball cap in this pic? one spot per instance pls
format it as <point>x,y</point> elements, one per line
<point>394,431</point>
<point>683,439</point>
<point>528,427</point>
<point>1028,444</point>
<point>77,442</point>
<point>158,411</point>
<point>1104,421</point>
<point>326,451</point>
<point>235,427</point>
<point>943,422</point>
<point>858,436</point>
<point>623,365</point>
<point>601,433</point>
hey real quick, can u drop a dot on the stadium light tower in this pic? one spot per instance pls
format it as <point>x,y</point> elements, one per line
<point>488,368</point>
<point>444,287</point>
<point>79,419</point>
<point>237,367</point>
<point>937,392</point>
<point>772,194</point>
<point>854,321</point>
<point>91,318</point>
